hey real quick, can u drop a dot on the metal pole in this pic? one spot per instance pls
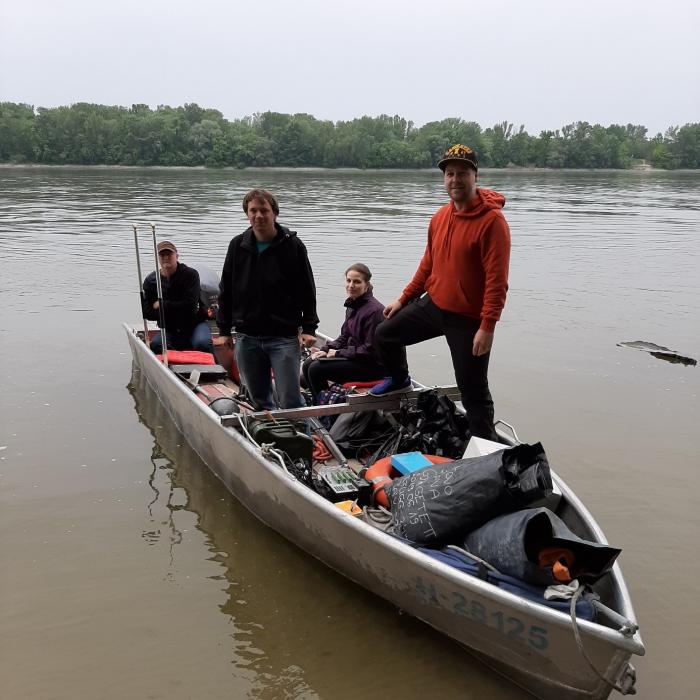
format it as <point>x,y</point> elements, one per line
<point>140,281</point>
<point>161,311</point>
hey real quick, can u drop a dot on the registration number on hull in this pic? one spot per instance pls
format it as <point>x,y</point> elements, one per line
<point>533,636</point>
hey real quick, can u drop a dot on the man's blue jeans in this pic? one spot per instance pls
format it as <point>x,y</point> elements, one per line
<point>256,356</point>
<point>200,339</point>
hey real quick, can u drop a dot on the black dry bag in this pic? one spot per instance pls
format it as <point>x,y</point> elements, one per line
<point>438,505</point>
<point>513,544</point>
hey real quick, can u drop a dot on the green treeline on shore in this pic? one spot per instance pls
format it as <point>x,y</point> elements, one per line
<point>90,134</point>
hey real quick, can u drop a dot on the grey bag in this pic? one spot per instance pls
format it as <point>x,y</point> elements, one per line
<point>350,426</point>
<point>512,544</point>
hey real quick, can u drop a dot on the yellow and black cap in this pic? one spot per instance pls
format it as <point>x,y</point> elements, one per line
<point>461,153</point>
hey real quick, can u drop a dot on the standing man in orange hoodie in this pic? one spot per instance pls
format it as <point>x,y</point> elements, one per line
<point>458,290</point>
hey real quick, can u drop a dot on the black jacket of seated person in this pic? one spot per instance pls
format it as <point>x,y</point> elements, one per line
<point>181,306</point>
<point>355,360</point>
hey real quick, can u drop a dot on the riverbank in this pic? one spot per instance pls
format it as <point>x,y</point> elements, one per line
<point>283,169</point>
<point>192,135</point>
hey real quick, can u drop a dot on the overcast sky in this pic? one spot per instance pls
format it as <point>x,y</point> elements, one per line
<point>533,62</point>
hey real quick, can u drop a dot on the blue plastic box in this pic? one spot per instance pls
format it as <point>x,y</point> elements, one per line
<point>409,462</point>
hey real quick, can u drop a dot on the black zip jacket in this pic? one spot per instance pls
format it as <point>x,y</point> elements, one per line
<point>180,300</point>
<point>270,293</point>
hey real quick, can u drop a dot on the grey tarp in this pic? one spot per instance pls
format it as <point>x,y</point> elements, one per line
<point>511,543</point>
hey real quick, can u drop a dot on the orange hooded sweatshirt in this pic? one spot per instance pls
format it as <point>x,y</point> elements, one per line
<point>465,265</point>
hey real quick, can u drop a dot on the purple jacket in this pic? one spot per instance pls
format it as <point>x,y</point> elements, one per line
<point>362,317</point>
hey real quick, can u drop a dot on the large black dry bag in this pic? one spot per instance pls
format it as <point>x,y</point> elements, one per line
<point>512,544</point>
<point>438,505</point>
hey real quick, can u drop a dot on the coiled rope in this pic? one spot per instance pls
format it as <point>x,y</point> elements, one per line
<point>579,643</point>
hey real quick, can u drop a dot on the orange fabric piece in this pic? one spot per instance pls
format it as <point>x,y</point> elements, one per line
<point>560,560</point>
<point>189,357</point>
<point>465,264</point>
<point>349,507</point>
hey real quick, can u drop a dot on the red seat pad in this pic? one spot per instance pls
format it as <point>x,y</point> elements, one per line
<point>189,357</point>
<point>362,385</point>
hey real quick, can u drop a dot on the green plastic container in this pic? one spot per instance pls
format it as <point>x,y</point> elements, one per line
<point>285,437</point>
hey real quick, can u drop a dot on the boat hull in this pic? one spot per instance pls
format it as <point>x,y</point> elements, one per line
<point>534,646</point>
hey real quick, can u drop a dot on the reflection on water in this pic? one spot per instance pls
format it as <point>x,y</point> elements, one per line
<point>297,629</point>
<point>585,246</point>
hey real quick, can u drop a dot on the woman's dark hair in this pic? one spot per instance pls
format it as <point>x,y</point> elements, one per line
<point>362,269</point>
<point>265,196</point>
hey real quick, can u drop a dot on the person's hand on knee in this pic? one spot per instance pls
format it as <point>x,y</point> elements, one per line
<point>225,340</point>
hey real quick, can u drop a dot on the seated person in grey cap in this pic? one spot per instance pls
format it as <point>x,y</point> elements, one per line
<point>185,325</point>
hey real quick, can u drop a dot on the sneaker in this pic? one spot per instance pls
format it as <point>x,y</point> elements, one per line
<point>389,385</point>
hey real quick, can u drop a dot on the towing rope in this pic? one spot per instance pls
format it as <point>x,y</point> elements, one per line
<point>378,516</point>
<point>579,643</point>
<point>473,557</point>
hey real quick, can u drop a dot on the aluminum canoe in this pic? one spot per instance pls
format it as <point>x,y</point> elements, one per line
<point>534,646</point>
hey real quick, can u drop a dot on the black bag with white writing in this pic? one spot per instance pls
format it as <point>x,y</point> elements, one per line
<point>440,504</point>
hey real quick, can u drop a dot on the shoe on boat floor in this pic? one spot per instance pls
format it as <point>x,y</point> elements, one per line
<point>390,386</point>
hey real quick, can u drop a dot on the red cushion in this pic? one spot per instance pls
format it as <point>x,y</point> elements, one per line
<point>362,385</point>
<point>189,357</point>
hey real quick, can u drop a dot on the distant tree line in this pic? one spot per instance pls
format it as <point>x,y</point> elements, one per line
<point>90,134</point>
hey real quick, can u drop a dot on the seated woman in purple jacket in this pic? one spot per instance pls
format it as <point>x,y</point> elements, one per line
<point>350,357</point>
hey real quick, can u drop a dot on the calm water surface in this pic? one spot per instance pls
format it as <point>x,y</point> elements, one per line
<point>128,571</point>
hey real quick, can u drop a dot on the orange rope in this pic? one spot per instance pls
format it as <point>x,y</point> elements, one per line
<point>320,453</point>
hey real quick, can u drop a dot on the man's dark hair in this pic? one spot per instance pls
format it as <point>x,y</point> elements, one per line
<point>265,196</point>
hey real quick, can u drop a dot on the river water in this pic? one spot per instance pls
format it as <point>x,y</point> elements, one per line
<point>128,571</point>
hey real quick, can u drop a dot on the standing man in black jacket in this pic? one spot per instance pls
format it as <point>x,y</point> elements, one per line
<point>268,297</point>
<point>185,324</point>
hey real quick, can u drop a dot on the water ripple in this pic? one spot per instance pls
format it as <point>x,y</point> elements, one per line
<point>605,235</point>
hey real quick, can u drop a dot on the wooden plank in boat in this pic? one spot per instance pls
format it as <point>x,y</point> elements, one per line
<point>210,392</point>
<point>218,390</point>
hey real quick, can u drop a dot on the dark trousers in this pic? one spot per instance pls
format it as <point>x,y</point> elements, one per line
<point>422,320</point>
<point>318,373</point>
<point>198,339</point>
<point>258,356</point>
